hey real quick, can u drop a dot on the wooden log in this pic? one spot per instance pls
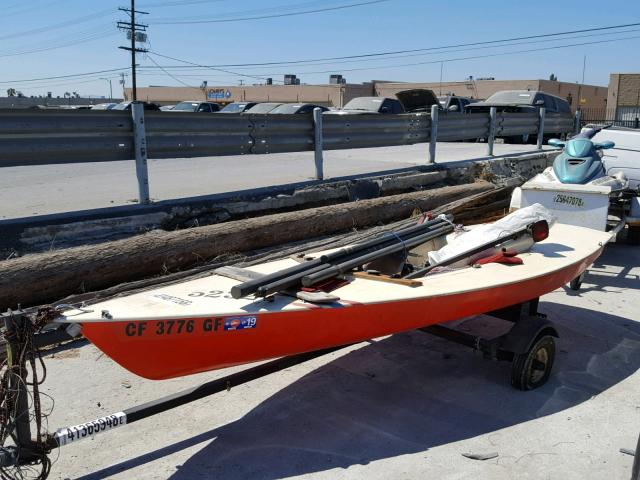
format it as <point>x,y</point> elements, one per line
<point>45,277</point>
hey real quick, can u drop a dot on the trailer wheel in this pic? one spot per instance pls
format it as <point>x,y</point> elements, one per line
<point>532,369</point>
<point>633,235</point>
<point>576,283</point>
<point>635,471</point>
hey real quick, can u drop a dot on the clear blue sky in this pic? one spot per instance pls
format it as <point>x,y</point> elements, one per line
<point>47,38</point>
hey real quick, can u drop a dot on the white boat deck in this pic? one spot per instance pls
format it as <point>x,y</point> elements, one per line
<point>209,296</point>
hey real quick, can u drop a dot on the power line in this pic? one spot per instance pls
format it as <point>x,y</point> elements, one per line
<point>555,47</point>
<point>262,17</point>
<point>179,3</point>
<point>471,44</point>
<point>446,60</point>
<point>255,11</point>
<point>29,9</point>
<point>255,77</point>
<point>168,74</point>
<point>62,84</point>
<point>73,41</point>
<point>216,68</point>
<point>484,47</point>
<point>75,75</point>
<point>56,26</point>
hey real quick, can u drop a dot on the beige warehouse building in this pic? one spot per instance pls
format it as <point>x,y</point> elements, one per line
<point>623,102</point>
<point>329,95</point>
<point>336,95</point>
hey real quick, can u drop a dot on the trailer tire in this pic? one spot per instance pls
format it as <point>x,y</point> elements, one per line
<point>633,235</point>
<point>635,471</point>
<point>532,369</point>
<point>576,283</point>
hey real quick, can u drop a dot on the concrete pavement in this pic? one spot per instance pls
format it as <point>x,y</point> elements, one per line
<point>40,190</point>
<point>401,407</point>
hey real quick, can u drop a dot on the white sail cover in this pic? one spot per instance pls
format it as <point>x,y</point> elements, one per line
<point>492,231</point>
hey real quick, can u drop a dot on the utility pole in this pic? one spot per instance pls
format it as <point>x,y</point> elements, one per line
<point>137,32</point>
<point>110,87</point>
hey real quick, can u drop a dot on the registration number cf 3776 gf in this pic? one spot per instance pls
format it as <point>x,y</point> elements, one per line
<point>189,326</point>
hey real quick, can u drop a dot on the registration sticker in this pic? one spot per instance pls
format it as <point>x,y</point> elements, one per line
<point>67,435</point>
<point>240,323</point>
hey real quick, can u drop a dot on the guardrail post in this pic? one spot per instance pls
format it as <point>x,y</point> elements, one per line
<point>317,140</point>
<point>493,112</point>
<point>541,114</point>
<point>578,120</point>
<point>140,147</point>
<point>434,134</point>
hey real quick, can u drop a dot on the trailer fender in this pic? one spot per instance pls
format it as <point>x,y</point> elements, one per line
<point>525,332</point>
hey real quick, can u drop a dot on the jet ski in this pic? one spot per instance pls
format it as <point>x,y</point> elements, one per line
<point>577,188</point>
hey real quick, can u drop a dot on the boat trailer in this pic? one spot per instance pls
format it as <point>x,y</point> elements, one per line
<point>529,345</point>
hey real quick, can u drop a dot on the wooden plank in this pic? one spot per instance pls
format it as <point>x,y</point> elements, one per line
<point>385,278</point>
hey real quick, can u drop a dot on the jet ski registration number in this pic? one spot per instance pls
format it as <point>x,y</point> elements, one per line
<point>568,200</point>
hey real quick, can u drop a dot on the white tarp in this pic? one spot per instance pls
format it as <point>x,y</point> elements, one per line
<point>493,231</point>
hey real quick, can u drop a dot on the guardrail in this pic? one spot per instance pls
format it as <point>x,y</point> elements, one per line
<point>40,137</point>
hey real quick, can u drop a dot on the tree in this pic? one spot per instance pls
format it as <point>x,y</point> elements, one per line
<point>553,77</point>
<point>11,92</point>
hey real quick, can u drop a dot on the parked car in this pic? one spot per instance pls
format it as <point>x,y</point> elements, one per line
<point>166,108</point>
<point>369,106</point>
<point>265,107</point>
<point>417,100</point>
<point>297,108</point>
<point>127,106</point>
<point>522,101</point>
<point>196,106</point>
<point>408,101</point>
<point>454,103</point>
<point>237,107</point>
<point>103,106</point>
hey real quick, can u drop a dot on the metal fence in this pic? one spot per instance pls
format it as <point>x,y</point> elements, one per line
<point>620,116</point>
<point>32,137</point>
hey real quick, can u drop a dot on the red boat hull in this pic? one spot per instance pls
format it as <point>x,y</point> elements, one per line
<point>172,348</point>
